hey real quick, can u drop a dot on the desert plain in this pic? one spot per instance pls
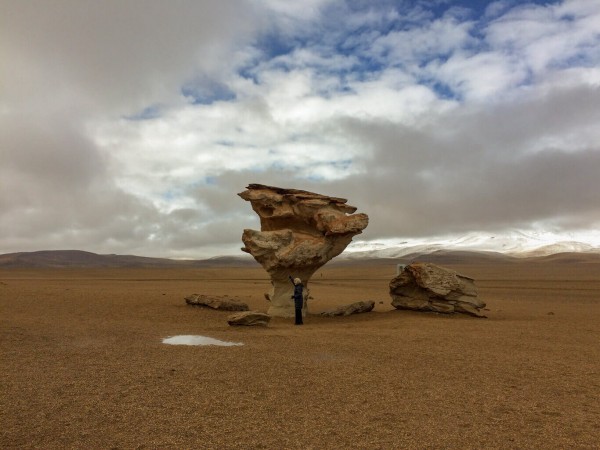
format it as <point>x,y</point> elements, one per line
<point>84,365</point>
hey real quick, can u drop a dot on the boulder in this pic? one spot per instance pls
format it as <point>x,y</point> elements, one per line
<point>428,287</point>
<point>299,232</point>
<point>249,318</point>
<point>220,303</point>
<point>354,308</point>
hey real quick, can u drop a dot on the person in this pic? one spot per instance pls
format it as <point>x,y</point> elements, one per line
<point>298,298</point>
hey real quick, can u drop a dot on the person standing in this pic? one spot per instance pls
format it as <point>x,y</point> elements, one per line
<point>298,298</point>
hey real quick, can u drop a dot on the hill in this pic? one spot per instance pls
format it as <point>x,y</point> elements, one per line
<point>83,259</point>
<point>48,259</point>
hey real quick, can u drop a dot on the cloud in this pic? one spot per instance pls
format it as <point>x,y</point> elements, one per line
<point>115,55</point>
<point>462,171</point>
<point>79,61</point>
<point>129,127</point>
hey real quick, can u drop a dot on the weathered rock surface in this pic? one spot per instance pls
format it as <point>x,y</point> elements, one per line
<point>220,303</point>
<point>428,287</point>
<point>300,232</point>
<point>249,318</point>
<point>354,308</point>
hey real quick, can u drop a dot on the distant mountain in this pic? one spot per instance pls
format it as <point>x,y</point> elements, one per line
<point>82,259</point>
<point>433,254</point>
<point>568,258</point>
<point>562,247</point>
<point>513,243</point>
<point>442,257</point>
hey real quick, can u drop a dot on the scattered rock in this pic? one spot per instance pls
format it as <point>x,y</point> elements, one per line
<point>428,287</point>
<point>300,232</point>
<point>222,304</point>
<point>550,313</point>
<point>354,308</point>
<point>249,318</point>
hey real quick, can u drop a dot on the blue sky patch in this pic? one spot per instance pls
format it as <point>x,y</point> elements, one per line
<point>148,113</point>
<point>204,91</point>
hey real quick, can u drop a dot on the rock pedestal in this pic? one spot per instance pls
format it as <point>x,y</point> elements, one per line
<point>428,287</point>
<point>300,232</point>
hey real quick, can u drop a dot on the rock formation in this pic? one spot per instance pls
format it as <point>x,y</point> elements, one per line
<point>354,308</point>
<point>300,232</point>
<point>220,303</point>
<point>249,319</point>
<point>427,287</point>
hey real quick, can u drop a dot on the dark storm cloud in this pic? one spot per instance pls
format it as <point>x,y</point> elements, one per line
<point>114,54</point>
<point>482,169</point>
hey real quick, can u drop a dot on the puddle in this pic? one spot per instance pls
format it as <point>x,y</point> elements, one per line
<point>197,340</point>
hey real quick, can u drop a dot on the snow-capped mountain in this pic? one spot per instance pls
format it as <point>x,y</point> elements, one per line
<point>514,243</point>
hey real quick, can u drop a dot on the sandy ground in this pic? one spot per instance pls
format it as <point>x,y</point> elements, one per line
<point>84,366</point>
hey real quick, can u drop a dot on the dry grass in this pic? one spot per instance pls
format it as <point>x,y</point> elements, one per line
<point>83,365</point>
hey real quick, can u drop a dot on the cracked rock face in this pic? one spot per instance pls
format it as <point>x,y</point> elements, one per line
<point>300,232</point>
<point>428,287</point>
<point>249,319</point>
<point>222,304</point>
<point>354,308</point>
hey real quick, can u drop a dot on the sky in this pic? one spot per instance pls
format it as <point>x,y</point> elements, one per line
<point>129,126</point>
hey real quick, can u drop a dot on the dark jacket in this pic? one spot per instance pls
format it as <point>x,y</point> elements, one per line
<point>298,298</point>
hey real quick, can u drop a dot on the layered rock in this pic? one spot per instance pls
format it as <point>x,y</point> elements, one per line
<point>249,319</point>
<point>220,303</point>
<point>353,308</point>
<point>428,287</point>
<point>300,232</point>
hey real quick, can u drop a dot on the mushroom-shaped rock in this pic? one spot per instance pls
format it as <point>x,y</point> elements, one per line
<point>300,232</point>
<point>428,287</point>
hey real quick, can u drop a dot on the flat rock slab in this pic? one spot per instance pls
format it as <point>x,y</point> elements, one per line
<point>354,308</point>
<point>249,318</point>
<point>428,287</point>
<point>219,303</point>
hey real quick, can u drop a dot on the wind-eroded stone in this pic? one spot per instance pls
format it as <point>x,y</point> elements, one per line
<point>354,308</point>
<point>222,304</point>
<point>428,287</point>
<point>300,232</point>
<point>249,319</point>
